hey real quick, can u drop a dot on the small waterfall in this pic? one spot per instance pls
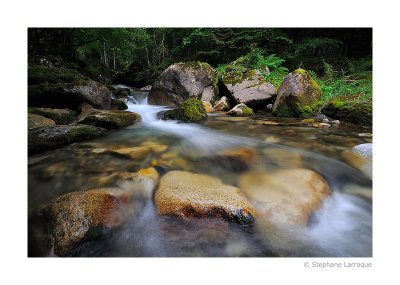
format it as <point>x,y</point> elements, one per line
<point>194,135</point>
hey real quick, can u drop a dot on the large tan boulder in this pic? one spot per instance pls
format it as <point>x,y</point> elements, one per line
<point>182,81</point>
<point>187,194</point>
<point>81,216</point>
<point>298,96</point>
<point>286,196</point>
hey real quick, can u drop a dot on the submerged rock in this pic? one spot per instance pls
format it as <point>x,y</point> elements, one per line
<point>46,138</point>
<point>286,196</point>
<point>114,119</point>
<point>187,194</point>
<point>241,110</point>
<point>237,159</point>
<point>182,81</point>
<point>191,110</point>
<point>140,185</point>
<point>248,87</point>
<point>298,96</point>
<point>59,116</point>
<point>284,157</point>
<point>36,121</point>
<point>321,125</point>
<point>81,216</point>
<point>138,152</point>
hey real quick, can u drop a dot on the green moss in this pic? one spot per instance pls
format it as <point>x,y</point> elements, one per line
<point>349,108</point>
<point>83,131</point>
<point>317,105</point>
<point>195,64</point>
<point>247,111</point>
<point>307,109</point>
<point>59,116</point>
<point>283,110</point>
<point>112,119</point>
<point>40,74</point>
<point>190,111</point>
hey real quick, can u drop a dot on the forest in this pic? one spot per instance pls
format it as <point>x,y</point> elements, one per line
<point>339,59</point>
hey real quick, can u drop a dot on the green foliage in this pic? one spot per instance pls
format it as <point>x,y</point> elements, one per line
<point>359,84</point>
<point>309,45</point>
<point>328,69</point>
<point>362,64</point>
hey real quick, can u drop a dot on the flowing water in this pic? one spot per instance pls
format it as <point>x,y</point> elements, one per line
<point>342,226</point>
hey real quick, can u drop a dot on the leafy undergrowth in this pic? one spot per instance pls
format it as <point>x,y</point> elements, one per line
<point>354,83</point>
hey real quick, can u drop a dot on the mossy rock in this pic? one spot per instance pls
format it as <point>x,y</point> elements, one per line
<point>298,96</point>
<point>46,138</point>
<point>69,95</point>
<point>190,111</point>
<point>241,110</point>
<point>38,74</point>
<point>122,92</point>
<point>115,119</point>
<point>59,116</point>
<point>350,109</point>
<point>184,80</point>
<point>36,121</point>
<point>236,74</point>
<point>118,105</point>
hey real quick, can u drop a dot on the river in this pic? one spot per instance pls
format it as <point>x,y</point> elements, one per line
<point>342,226</point>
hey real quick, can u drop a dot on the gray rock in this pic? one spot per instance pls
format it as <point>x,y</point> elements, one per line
<point>146,88</point>
<point>59,116</point>
<point>297,96</point>
<point>321,118</point>
<point>69,95</point>
<point>241,110</point>
<point>222,104</point>
<point>252,89</point>
<point>46,138</point>
<point>364,150</point>
<point>182,81</point>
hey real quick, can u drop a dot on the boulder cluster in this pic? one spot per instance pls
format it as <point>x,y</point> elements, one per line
<point>237,90</point>
<point>64,106</point>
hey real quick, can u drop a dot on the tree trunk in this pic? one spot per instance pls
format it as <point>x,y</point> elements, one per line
<point>114,59</point>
